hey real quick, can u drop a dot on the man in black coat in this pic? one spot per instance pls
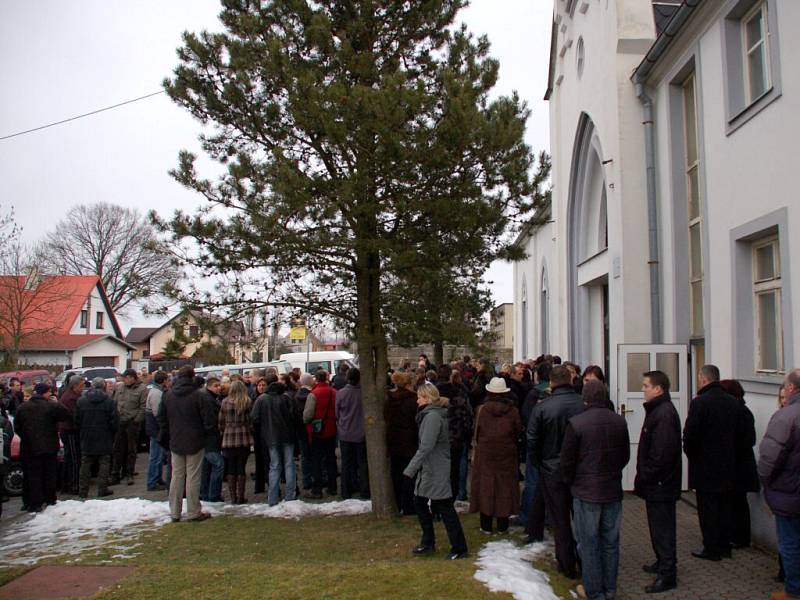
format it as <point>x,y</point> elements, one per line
<point>546,429</point>
<point>36,423</point>
<point>213,462</point>
<point>658,477</point>
<point>96,420</point>
<point>709,441</point>
<point>185,422</point>
<point>595,450</point>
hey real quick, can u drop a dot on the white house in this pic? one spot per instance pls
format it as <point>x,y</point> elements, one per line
<point>671,131</point>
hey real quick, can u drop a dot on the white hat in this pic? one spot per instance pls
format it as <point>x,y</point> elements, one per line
<point>497,386</point>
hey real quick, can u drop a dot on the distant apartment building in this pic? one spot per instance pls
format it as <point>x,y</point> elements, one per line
<point>501,323</point>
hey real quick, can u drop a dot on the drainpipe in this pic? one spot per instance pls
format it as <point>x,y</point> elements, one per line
<point>652,215</point>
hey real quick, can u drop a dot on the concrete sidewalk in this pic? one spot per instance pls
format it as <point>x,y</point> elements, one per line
<point>748,575</point>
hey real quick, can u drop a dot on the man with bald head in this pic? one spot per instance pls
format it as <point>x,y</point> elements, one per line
<point>778,468</point>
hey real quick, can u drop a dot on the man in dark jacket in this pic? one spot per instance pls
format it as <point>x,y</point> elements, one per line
<point>546,428</point>
<point>306,382</point>
<point>185,423</point>
<point>69,435</point>
<point>595,450</point>
<point>340,379</point>
<point>213,463</point>
<point>6,435</point>
<point>658,477</point>
<point>352,439</point>
<point>274,419</point>
<point>779,471</point>
<point>709,441</point>
<point>96,420</point>
<point>36,423</point>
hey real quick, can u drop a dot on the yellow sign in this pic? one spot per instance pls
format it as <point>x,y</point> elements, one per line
<point>297,333</point>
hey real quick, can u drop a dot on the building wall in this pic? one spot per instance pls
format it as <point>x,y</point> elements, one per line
<point>747,184</point>
<point>104,347</point>
<point>502,323</point>
<point>94,304</point>
<point>45,358</point>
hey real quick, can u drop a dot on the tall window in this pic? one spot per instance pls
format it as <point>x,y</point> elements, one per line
<point>544,310</point>
<point>84,319</point>
<point>694,199</point>
<point>99,323</point>
<point>767,306</point>
<point>755,43</point>
<point>524,319</point>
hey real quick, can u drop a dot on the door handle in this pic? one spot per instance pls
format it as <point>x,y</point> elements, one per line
<point>622,410</point>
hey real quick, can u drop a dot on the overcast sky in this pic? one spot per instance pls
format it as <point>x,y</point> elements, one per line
<point>60,59</point>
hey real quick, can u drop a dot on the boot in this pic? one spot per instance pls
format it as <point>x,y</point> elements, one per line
<point>661,584</point>
<point>242,481</point>
<point>232,480</point>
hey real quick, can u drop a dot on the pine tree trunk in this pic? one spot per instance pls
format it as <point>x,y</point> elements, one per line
<point>438,353</point>
<point>372,352</point>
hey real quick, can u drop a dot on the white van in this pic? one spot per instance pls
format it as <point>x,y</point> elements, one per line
<point>310,362</point>
<point>281,366</point>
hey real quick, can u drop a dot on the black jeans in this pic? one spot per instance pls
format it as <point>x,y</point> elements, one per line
<point>536,514</point>
<point>72,462</point>
<point>323,453</point>
<point>486,523</point>
<point>39,474</point>
<point>661,521</point>
<point>713,512</point>
<point>355,474</point>
<point>739,528</point>
<point>449,517</point>
<point>403,486</point>
<point>558,500</point>
<point>125,446</point>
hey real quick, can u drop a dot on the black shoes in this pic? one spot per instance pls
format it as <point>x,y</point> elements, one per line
<point>661,584</point>
<point>422,550</point>
<point>159,487</point>
<point>705,555</point>
<point>653,569</point>
<point>457,555</point>
<point>104,493</point>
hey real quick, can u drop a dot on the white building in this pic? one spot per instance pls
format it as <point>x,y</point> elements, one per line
<point>501,322</point>
<point>672,126</point>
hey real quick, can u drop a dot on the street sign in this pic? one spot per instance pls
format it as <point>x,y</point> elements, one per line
<point>297,333</point>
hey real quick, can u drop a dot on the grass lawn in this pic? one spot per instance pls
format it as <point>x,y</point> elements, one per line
<point>322,558</point>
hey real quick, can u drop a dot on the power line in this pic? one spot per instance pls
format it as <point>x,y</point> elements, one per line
<point>94,112</point>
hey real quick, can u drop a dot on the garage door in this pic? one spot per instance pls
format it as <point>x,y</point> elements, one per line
<point>99,361</point>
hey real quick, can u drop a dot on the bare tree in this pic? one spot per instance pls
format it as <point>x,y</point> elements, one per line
<point>31,306</point>
<point>115,243</point>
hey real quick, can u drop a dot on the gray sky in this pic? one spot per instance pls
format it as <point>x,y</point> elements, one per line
<point>60,59</point>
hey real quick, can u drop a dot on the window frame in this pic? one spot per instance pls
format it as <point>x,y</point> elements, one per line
<point>763,45</point>
<point>696,280</point>
<point>84,322</point>
<point>762,287</point>
<point>99,320</point>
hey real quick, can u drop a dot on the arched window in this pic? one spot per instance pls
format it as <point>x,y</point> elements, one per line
<point>544,314</point>
<point>524,321</point>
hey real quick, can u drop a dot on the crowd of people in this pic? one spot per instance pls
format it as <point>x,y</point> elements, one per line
<point>463,430</point>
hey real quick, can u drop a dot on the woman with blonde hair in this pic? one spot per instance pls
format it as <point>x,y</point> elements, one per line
<point>235,426</point>
<point>431,465</point>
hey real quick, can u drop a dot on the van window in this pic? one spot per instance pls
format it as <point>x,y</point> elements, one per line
<point>314,366</point>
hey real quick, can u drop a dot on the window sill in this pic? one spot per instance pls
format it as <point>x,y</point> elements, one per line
<point>752,109</point>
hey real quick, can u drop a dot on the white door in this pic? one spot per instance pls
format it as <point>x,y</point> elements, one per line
<point>633,361</point>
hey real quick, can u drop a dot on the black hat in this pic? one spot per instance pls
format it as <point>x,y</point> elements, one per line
<point>130,373</point>
<point>41,388</point>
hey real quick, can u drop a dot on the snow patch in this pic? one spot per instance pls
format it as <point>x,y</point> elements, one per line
<point>505,567</point>
<point>72,526</point>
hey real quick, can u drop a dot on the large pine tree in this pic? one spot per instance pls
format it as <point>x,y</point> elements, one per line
<point>359,141</point>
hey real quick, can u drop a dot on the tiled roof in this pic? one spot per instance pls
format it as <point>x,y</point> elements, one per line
<point>138,335</point>
<point>59,341</point>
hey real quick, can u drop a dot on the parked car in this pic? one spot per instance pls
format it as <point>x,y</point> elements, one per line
<point>310,362</point>
<point>27,377</point>
<point>281,366</point>
<point>89,373</point>
<point>12,484</point>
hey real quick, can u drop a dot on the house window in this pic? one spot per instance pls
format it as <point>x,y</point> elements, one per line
<point>99,323</point>
<point>194,332</point>
<point>694,202</point>
<point>767,306</point>
<point>84,319</point>
<point>146,353</point>
<point>755,43</point>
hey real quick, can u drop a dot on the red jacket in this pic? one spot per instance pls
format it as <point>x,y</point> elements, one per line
<point>325,409</point>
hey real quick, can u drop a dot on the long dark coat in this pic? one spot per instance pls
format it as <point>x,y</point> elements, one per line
<point>494,489</point>
<point>746,474</point>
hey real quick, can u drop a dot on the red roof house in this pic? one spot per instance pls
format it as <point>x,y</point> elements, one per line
<point>62,320</point>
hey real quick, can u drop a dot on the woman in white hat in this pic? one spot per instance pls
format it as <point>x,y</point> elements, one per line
<point>494,492</point>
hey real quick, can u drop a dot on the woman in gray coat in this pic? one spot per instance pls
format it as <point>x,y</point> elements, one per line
<point>431,464</point>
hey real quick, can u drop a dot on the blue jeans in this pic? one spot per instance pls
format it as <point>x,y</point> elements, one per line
<point>529,491</point>
<point>281,456</point>
<point>597,530</point>
<point>211,478</point>
<point>155,465</point>
<point>789,547</point>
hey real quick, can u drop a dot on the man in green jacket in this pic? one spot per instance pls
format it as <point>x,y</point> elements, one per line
<point>130,396</point>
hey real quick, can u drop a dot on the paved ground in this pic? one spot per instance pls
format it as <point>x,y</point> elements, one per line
<point>747,576</point>
<point>53,582</point>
